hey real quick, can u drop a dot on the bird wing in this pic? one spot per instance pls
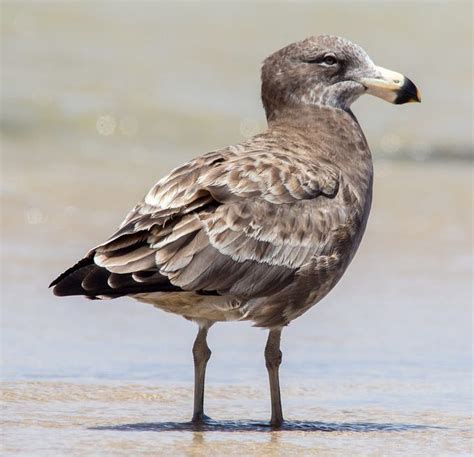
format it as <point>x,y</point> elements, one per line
<point>230,223</point>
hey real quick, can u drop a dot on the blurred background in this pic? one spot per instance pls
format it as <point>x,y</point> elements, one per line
<point>100,99</point>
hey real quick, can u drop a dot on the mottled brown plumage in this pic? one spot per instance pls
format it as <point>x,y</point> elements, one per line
<point>263,230</point>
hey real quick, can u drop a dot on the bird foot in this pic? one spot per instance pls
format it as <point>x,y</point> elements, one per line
<point>200,419</point>
<point>276,424</point>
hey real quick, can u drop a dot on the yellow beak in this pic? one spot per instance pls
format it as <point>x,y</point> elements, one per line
<point>392,87</point>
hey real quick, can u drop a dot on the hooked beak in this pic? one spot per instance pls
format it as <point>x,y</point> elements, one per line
<point>392,87</point>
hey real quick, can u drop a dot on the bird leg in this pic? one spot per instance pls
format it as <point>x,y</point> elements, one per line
<point>272,362</point>
<point>201,355</point>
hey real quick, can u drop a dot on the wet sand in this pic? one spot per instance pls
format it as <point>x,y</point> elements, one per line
<point>60,418</point>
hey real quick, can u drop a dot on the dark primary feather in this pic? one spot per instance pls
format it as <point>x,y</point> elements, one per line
<point>86,278</point>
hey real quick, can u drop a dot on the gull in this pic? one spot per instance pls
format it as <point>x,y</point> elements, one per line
<point>260,231</point>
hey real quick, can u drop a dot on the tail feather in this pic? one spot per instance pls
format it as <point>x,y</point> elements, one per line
<point>88,279</point>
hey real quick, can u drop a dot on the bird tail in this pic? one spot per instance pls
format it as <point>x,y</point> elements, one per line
<point>95,282</point>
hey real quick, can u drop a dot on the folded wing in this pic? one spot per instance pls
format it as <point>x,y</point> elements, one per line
<point>225,223</point>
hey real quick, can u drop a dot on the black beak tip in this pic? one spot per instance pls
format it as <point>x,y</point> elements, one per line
<point>408,93</point>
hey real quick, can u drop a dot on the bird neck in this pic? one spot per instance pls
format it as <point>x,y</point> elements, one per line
<point>304,116</point>
<point>340,96</point>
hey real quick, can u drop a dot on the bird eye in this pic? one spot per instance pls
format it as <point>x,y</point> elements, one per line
<point>329,60</point>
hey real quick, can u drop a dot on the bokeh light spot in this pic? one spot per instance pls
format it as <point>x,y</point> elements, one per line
<point>34,216</point>
<point>106,125</point>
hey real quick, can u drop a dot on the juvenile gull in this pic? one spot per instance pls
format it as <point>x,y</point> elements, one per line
<point>262,230</point>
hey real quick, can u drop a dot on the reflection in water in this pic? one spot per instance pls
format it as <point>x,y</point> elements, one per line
<point>198,439</point>
<point>258,426</point>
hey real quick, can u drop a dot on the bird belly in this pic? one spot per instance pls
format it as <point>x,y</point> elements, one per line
<point>194,306</point>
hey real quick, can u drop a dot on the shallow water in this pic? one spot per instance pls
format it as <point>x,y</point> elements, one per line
<point>382,366</point>
<point>140,419</point>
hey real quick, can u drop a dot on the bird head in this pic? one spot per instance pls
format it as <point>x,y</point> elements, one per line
<point>329,71</point>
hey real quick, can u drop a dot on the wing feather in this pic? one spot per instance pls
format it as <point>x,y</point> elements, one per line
<point>238,224</point>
